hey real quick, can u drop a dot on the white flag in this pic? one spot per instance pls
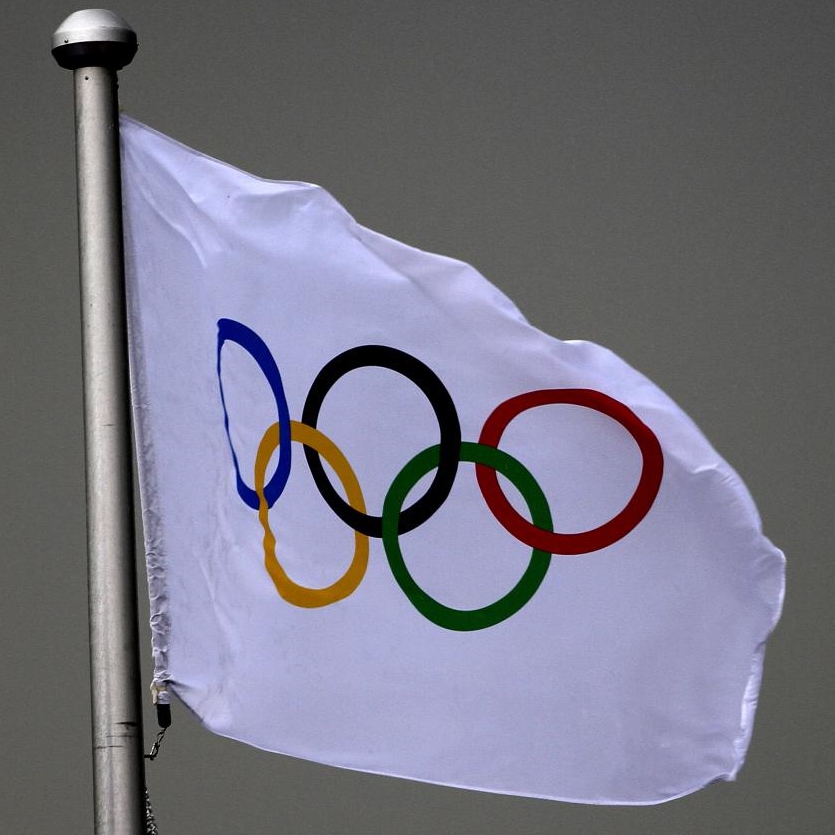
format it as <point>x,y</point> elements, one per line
<point>390,526</point>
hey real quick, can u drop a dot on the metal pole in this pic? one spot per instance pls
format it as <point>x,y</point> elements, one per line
<point>95,44</point>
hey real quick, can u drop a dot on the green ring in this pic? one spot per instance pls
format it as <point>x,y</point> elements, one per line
<point>465,620</point>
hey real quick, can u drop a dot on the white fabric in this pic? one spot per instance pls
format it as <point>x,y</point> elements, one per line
<point>630,676</point>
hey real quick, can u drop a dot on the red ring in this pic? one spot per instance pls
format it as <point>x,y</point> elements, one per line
<point>596,538</point>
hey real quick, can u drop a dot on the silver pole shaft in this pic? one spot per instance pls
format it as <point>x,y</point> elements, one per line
<point>118,765</point>
<point>93,44</point>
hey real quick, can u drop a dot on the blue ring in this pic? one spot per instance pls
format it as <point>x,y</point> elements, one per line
<point>232,331</point>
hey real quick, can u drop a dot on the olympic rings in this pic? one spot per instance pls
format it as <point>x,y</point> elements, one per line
<point>292,592</point>
<point>592,540</point>
<point>427,381</point>
<point>232,331</point>
<point>460,619</point>
<point>444,457</point>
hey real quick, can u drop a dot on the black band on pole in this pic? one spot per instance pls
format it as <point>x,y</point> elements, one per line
<point>74,56</point>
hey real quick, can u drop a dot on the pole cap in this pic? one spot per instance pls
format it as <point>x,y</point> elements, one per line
<point>94,38</point>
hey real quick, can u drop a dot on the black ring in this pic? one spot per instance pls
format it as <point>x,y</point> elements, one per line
<point>450,442</point>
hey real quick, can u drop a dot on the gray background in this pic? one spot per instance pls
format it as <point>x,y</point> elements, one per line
<point>653,176</point>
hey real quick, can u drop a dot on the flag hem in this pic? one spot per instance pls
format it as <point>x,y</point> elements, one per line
<point>726,777</point>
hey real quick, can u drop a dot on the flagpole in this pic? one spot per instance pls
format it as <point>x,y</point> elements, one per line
<point>95,43</point>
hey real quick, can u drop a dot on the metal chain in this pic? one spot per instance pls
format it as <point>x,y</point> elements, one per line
<point>150,822</point>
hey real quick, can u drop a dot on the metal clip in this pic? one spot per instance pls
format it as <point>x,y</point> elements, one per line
<point>156,746</point>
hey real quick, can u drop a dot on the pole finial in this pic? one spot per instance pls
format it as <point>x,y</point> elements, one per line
<point>94,38</point>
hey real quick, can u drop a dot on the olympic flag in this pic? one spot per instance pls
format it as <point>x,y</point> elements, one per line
<point>390,526</point>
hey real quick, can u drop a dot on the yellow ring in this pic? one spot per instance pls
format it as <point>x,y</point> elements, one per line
<point>291,591</point>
